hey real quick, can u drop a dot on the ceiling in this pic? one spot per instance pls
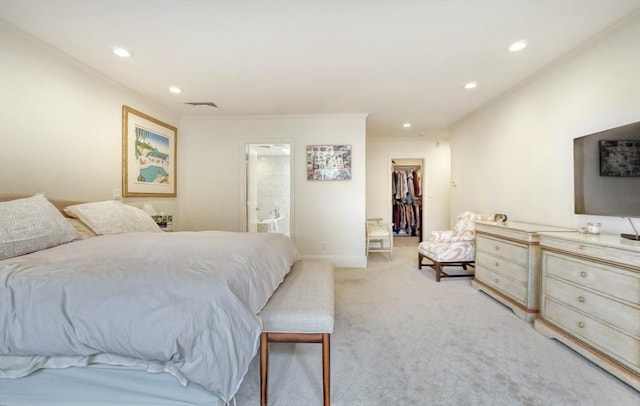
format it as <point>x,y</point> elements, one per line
<point>398,61</point>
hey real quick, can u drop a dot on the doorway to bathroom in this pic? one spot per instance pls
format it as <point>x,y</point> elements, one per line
<point>269,188</point>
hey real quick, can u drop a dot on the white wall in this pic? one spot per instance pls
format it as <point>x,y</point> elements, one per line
<point>515,156</point>
<point>435,152</point>
<point>212,179</point>
<point>61,128</point>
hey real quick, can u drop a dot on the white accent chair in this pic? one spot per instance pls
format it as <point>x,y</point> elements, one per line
<point>452,247</point>
<point>380,233</point>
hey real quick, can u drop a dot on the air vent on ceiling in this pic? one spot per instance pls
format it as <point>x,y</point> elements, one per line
<point>209,104</point>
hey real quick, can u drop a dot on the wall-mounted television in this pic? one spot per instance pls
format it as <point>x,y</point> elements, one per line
<point>619,157</point>
<point>606,172</point>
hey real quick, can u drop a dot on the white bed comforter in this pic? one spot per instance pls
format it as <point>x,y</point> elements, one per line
<point>186,299</point>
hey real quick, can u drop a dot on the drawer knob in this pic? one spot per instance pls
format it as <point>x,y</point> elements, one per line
<point>581,247</point>
<point>580,299</point>
<point>497,248</point>
<point>581,324</point>
<point>496,280</point>
<point>497,264</point>
<point>583,274</point>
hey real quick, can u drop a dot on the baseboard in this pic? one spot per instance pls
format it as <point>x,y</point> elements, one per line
<point>342,261</point>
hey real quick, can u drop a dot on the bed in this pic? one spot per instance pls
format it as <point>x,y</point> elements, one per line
<point>100,306</point>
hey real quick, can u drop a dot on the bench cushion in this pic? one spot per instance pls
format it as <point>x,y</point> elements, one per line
<point>304,302</point>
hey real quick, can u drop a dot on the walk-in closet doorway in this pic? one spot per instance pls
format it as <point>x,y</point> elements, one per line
<point>268,187</point>
<point>407,187</point>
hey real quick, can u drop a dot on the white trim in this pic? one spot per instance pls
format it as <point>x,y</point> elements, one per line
<point>272,116</point>
<point>341,261</point>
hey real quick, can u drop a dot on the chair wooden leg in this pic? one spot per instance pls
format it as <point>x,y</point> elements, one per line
<point>438,269</point>
<point>264,368</point>
<point>326,369</point>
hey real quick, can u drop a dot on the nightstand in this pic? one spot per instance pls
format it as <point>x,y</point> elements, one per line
<point>164,221</point>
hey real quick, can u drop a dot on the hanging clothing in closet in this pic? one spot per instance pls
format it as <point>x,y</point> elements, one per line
<point>407,198</point>
<point>406,218</point>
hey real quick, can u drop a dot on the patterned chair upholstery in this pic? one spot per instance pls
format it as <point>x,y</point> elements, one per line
<point>452,247</point>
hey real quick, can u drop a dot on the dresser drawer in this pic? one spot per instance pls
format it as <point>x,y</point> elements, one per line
<point>514,252</point>
<point>505,285</point>
<point>500,265</point>
<point>622,316</point>
<point>627,257</point>
<point>615,282</point>
<point>620,346</point>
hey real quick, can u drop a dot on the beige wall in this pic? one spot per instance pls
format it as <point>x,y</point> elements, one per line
<point>61,128</point>
<point>212,179</point>
<point>515,156</point>
<point>434,150</point>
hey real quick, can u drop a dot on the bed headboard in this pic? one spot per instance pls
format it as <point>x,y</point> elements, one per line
<point>60,204</point>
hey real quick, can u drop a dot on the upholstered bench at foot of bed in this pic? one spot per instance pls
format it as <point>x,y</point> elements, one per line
<point>300,311</point>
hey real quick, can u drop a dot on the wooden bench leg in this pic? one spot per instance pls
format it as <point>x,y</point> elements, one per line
<point>326,369</point>
<point>264,367</point>
<point>324,338</point>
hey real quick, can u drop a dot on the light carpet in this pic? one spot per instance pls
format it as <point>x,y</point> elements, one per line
<point>402,339</point>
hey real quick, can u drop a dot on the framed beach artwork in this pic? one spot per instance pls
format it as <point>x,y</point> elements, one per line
<point>148,155</point>
<point>328,162</point>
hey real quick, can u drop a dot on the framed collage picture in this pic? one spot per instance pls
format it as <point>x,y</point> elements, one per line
<point>328,162</point>
<point>148,155</point>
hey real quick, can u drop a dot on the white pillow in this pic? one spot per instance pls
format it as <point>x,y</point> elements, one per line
<point>32,224</point>
<point>112,217</point>
<point>82,229</point>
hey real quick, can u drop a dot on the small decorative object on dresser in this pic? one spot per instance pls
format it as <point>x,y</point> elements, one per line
<point>508,264</point>
<point>590,299</point>
<point>593,228</point>
<point>501,218</point>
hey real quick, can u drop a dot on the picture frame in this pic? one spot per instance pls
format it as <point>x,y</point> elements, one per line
<point>328,162</point>
<point>149,152</point>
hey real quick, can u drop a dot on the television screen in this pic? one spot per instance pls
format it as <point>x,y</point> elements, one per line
<point>606,172</point>
<point>619,158</point>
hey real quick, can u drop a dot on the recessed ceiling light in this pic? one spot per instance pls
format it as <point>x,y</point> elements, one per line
<point>471,85</point>
<point>175,89</point>
<point>518,46</point>
<point>121,52</point>
<point>406,125</point>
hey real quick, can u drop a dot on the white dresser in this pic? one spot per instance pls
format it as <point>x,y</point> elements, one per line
<point>508,264</point>
<point>591,299</point>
